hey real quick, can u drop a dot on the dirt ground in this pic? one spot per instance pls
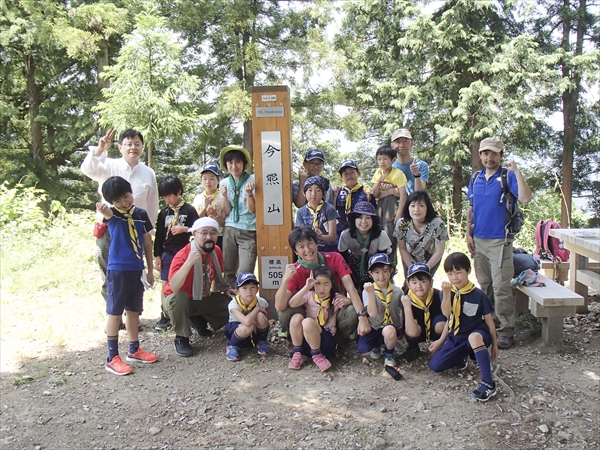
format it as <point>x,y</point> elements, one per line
<point>62,398</point>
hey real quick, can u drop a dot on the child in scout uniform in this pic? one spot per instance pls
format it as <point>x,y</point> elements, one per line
<point>382,301</point>
<point>248,319</point>
<point>313,164</point>
<point>423,318</point>
<point>208,203</point>
<point>239,207</point>
<point>471,329</point>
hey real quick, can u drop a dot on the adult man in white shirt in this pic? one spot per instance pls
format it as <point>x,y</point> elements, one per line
<point>99,167</point>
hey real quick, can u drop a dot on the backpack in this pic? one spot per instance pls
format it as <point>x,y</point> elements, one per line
<point>514,216</point>
<point>549,247</point>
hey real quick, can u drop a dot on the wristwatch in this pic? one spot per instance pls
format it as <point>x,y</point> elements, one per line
<point>362,313</point>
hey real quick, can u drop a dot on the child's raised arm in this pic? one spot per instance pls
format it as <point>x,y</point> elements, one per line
<point>298,298</point>
<point>104,209</point>
<point>372,305</point>
<point>446,298</point>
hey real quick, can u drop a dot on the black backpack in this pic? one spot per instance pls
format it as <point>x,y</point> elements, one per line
<point>514,216</point>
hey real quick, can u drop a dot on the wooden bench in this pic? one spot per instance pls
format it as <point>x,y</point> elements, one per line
<point>560,271</point>
<point>552,303</point>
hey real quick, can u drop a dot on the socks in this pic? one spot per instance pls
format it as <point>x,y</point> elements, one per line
<point>413,342</point>
<point>389,351</point>
<point>113,347</point>
<point>314,352</point>
<point>483,360</point>
<point>235,340</point>
<point>297,349</point>
<point>133,346</point>
<point>262,335</point>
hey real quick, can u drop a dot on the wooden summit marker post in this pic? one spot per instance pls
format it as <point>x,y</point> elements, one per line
<point>271,126</point>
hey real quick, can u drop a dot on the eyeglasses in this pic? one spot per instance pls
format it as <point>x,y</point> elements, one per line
<point>205,233</point>
<point>315,163</point>
<point>133,144</point>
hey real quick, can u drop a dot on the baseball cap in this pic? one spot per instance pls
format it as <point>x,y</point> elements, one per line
<point>380,258</point>
<point>492,143</point>
<point>210,167</point>
<point>418,268</point>
<point>204,222</point>
<point>244,278</point>
<point>401,133</point>
<point>314,153</point>
<point>364,208</point>
<point>347,163</point>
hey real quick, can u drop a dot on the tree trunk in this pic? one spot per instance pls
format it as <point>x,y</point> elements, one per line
<point>457,184</point>
<point>475,159</point>
<point>102,62</point>
<point>150,152</point>
<point>33,97</point>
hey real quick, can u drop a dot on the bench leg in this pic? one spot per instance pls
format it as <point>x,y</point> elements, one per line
<point>521,302</point>
<point>552,329</point>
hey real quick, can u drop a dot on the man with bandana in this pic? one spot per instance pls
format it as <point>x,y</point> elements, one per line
<point>197,293</point>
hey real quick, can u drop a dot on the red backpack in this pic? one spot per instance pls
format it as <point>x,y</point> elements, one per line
<point>549,247</point>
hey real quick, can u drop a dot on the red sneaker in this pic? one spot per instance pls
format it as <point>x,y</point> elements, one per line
<point>142,356</point>
<point>322,363</point>
<point>118,367</point>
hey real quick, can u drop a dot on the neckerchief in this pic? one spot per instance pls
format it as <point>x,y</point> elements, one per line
<point>175,216</point>
<point>454,321</point>
<point>312,266</point>
<point>364,245</point>
<point>315,213</point>
<point>133,234</point>
<point>349,196</point>
<point>323,305</point>
<point>425,306</point>
<point>386,300</point>
<point>236,194</point>
<point>246,309</point>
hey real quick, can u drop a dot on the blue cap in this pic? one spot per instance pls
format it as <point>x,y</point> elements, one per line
<point>347,163</point>
<point>314,153</point>
<point>365,208</point>
<point>380,258</point>
<point>418,268</point>
<point>210,167</point>
<point>244,277</point>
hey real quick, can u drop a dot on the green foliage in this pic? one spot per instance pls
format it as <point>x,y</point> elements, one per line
<point>20,210</point>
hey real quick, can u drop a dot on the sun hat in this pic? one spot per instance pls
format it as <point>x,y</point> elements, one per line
<point>365,208</point>
<point>238,148</point>
<point>244,278</point>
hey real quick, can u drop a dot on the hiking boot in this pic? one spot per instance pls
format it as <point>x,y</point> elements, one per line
<point>232,353</point>
<point>199,325</point>
<point>118,367</point>
<point>322,363</point>
<point>182,346</point>
<point>389,359</point>
<point>411,354</point>
<point>142,356</point>
<point>375,353</point>
<point>462,365</point>
<point>296,361</point>
<point>263,348</point>
<point>484,392</point>
<point>505,342</point>
<point>162,324</point>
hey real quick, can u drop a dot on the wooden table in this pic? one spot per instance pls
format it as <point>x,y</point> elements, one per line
<point>583,245</point>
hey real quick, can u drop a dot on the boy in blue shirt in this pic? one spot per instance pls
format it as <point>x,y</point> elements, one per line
<point>130,240</point>
<point>471,329</point>
<point>350,193</point>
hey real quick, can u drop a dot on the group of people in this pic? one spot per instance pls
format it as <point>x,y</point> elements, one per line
<point>346,241</point>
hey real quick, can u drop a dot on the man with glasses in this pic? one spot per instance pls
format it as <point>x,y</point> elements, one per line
<point>99,167</point>
<point>313,165</point>
<point>196,292</point>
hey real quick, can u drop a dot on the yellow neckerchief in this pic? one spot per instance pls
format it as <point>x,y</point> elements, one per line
<point>425,306</point>
<point>386,300</point>
<point>323,304</point>
<point>315,213</point>
<point>133,234</point>
<point>246,309</point>
<point>349,196</point>
<point>454,321</point>
<point>175,216</point>
<point>211,196</point>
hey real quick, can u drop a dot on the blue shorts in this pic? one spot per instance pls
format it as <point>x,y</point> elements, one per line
<point>166,259</point>
<point>124,292</point>
<point>455,350</point>
<point>327,344</point>
<point>230,328</point>
<point>373,339</point>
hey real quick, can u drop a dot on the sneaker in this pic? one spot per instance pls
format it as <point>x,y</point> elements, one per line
<point>375,353</point>
<point>182,346</point>
<point>296,361</point>
<point>118,367</point>
<point>411,354</point>
<point>142,356</point>
<point>462,365</point>
<point>484,392</point>
<point>199,325</point>
<point>263,348</point>
<point>162,324</point>
<point>232,353</point>
<point>322,363</point>
<point>389,359</point>
<point>505,342</point>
